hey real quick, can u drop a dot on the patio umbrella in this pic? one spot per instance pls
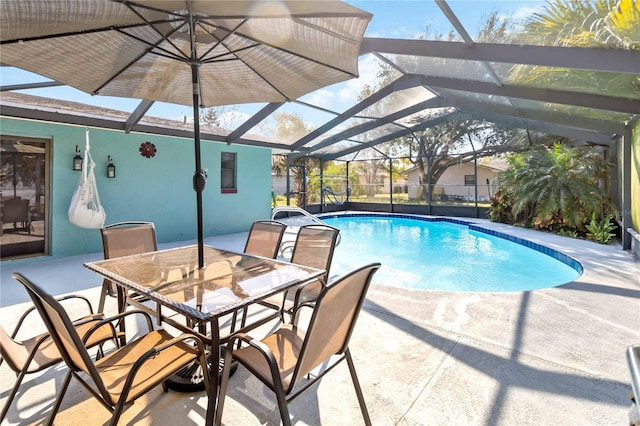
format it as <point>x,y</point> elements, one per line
<point>200,53</point>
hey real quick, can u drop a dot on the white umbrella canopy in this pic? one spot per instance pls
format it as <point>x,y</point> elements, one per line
<point>200,53</point>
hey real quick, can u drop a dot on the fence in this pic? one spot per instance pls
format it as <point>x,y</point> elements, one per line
<point>394,183</point>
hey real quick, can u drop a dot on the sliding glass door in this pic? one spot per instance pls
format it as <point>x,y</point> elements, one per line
<point>24,198</point>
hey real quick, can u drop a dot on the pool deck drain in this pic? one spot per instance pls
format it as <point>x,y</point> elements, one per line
<point>551,356</point>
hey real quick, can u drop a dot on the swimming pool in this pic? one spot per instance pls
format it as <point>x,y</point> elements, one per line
<point>446,254</point>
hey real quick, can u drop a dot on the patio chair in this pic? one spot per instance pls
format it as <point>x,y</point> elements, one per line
<point>125,374</point>
<point>286,356</point>
<point>125,239</point>
<point>264,238</point>
<point>16,210</point>
<point>314,247</point>
<point>39,352</point>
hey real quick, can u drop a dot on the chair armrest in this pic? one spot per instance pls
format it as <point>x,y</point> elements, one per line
<point>152,353</point>
<point>294,314</point>
<point>251,341</point>
<point>259,346</point>
<point>32,308</point>
<point>76,296</point>
<point>299,289</point>
<point>181,338</point>
<point>117,318</point>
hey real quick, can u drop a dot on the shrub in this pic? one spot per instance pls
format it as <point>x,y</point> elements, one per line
<point>601,228</point>
<point>500,208</point>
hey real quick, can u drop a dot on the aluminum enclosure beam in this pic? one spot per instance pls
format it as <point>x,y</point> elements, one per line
<point>28,86</point>
<point>251,122</point>
<point>604,127</point>
<point>563,97</point>
<point>137,115</point>
<point>545,127</point>
<point>429,123</point>
<point>405,82</point>
<point>364,127</point>
<point>611,60</point>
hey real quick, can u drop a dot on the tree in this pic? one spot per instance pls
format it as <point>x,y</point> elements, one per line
<point>219,116</point>
<point>582,23</point>
<point>290,126</point>
<point>558,187</point>
<point>439,147</point>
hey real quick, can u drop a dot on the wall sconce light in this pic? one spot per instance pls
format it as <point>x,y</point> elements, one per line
<point>77,160</point>
<point>111,168</point>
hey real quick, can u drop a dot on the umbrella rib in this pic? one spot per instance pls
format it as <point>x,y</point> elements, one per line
<point>305,57</point>
<point>217,58</point>
<point>322,30</point>
<point>220,40</point>
<point>114,76</point>
<point>82,32</point>
<point>160,33</point>
<point>232,52</point>
<point>167,53</point>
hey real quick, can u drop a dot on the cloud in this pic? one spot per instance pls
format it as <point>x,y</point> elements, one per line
<point>393,32</point>
<point>368,70</point>
<point>323,98</point>
<point>525,12</point>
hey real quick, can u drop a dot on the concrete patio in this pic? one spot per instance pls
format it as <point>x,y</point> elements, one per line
<point>552,356</point>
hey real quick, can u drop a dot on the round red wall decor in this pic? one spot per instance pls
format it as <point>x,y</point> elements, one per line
<point>147,149</point>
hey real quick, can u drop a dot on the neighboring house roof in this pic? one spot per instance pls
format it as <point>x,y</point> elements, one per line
<point>499,165</point>
<point>495,165</point>
<point>40,108</point>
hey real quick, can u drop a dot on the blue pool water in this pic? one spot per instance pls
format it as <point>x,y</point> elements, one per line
<point>446,256</point>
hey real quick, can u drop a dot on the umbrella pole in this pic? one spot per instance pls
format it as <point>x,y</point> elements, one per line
<point>200,176</point>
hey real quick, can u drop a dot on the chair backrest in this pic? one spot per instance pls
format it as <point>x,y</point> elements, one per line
<point>62,331</point>
<point>334,318</point>
<point>264,238</point>
<point>15,210</point>
<point>127,238</point>
<point>314,246</point>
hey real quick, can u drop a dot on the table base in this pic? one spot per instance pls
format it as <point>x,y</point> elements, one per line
<point>190,379</point>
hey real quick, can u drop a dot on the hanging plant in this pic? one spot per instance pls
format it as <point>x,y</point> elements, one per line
<point>147,149</point>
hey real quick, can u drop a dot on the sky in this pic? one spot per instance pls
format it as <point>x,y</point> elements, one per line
<point>391,19</point>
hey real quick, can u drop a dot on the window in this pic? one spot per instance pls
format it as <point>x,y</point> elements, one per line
<point>469,180</point>
<point>24,194</point>
<point>228,173</point>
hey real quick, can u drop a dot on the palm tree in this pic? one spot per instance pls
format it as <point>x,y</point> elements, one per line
<point>558,186</point>
<point>582,23</point>
<point>290,126</point>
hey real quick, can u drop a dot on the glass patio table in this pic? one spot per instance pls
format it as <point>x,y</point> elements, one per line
<point>173,283</point>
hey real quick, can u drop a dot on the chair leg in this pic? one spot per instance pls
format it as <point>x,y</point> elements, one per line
<point>223,390</point>
<point>117,412</point>
<point>12,395</point>
<point>281,397</point>
<point>356,384</point>
<point>122,402</point>
<point>282,406</point>
<point>58,401</point>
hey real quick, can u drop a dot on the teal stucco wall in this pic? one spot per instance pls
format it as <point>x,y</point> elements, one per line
<point>157,189</point>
